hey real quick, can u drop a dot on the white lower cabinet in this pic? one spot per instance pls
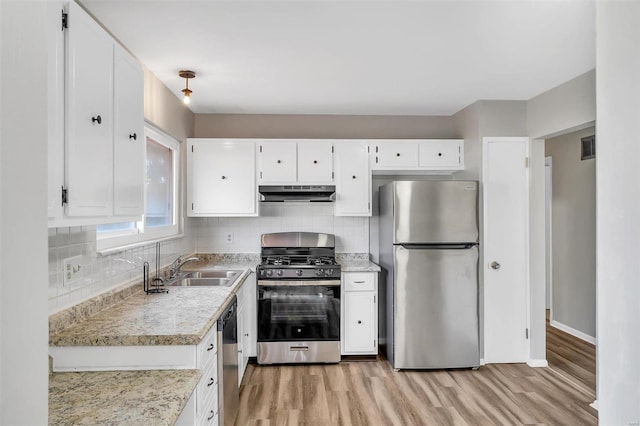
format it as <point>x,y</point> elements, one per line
<point>359,313</point>
<point>247,324</point>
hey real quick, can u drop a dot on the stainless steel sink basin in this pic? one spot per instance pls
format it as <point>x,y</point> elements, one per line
<point>230,274</point>
<point>201,282</point>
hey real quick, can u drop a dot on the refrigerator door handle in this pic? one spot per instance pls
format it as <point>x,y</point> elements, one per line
<point>460,246</point>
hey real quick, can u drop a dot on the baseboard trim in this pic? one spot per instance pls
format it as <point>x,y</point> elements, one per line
<point>572,331</point>
<point>482,361</point>
<point>537,363</point>
<point>594,405</point>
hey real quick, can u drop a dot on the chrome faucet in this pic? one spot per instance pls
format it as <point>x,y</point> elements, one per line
<point>177,265</point>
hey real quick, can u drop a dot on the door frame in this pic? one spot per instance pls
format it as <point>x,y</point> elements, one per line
<point>548,194</point>
<point>527,144</point>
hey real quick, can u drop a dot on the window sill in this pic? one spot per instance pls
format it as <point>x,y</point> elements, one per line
<point>119,249</point>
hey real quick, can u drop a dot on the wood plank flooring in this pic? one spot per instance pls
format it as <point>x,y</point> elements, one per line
<point>371,393</point>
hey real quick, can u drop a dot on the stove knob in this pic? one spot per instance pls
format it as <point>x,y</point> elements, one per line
<point>279,272</point>
<point>269,272</point>
<point>328,272</point>
<point>299,272</point>
<point>319,272</point>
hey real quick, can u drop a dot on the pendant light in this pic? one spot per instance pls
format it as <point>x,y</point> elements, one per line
<point>187,74</point>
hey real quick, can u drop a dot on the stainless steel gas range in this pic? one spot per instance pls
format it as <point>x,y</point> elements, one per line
<point>298,299</point>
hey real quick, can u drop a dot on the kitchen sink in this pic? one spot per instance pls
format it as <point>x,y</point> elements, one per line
<point>230,274</point>
<point>201,282</point>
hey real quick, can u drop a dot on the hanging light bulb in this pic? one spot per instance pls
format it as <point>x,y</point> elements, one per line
<point>186,74</point>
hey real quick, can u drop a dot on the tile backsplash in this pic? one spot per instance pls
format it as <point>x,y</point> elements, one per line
<point>203,235</point>
<point>99,273</point>
<point>211,234</point>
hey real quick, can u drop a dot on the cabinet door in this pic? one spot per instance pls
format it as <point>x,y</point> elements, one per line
<point>240,330</point>
<point>360,329</point>
<point>55,109</point>
<point>277,162</point>
<point>250,317</point>
<point>315,162</point>
<point>89,123</point>
<point>396,154</point>
<point>221,178</point>
<point>441,154</point>
<point>353,179</point>
<point>128,137</point>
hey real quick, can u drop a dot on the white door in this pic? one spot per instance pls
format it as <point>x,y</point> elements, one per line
<point>89,112</point>
<point>128,135</point>
<point>278,162</point>
<point>315,162</point>
<point>506,195</point>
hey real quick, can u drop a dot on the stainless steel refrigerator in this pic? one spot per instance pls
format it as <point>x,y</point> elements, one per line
<point>429,249</point>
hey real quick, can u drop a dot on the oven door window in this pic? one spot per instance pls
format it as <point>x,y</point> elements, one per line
<point>288,313</point>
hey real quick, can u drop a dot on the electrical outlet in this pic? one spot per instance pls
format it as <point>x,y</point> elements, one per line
<point>71,269</point>
<point>229,238</point>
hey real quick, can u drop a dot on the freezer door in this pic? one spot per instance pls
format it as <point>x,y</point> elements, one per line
<point>435,212</point>
<point>435,308</point>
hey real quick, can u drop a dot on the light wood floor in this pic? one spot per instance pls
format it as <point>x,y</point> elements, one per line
<point>371,393</point>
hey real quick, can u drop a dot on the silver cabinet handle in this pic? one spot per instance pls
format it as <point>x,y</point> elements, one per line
<point>495,265</point>
<point>358,282</point>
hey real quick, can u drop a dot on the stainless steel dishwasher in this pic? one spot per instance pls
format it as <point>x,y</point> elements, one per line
<point>228,393</point>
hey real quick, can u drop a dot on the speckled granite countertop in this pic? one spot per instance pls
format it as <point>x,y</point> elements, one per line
<point>120,397</point>
<point>181,317</point>
<point>356,262</point>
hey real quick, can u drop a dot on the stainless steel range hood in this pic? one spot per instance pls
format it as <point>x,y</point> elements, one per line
<point>297,193</point>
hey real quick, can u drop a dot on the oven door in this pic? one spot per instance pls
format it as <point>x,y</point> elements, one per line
<point>298,311</point>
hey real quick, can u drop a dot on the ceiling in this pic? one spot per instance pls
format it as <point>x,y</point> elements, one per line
<point>355,57</point>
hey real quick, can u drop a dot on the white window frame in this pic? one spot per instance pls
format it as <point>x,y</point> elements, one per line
<point>108,241</point>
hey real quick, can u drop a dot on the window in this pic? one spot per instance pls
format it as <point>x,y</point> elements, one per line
<point>160,219</point>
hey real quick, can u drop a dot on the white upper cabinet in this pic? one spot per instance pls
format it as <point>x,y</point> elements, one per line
<point>89,116</point>
<point>286,162</point>
<point>278,162</point>
<point>396,155</point>
<point>417,155</point>
<point>128,135</point>
<point>353,179</point>
<point>96,129</point>
<point>444,154</point>
<point>55,108</point>
<point>315,162</point>
<point>221,177</point>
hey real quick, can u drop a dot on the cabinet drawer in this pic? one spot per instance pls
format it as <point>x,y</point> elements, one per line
<point>208,348</point>
<point>209,415</point>
<point>207,391</point>
<point>358,281</point>
<point>440,154</point>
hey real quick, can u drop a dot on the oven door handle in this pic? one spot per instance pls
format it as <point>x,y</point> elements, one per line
<point>300,283</point>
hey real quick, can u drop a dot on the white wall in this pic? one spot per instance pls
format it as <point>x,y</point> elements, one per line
<point>567,107</point>
<point>574,233</point>
<point>618,210</point>
<point>23,225</point>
